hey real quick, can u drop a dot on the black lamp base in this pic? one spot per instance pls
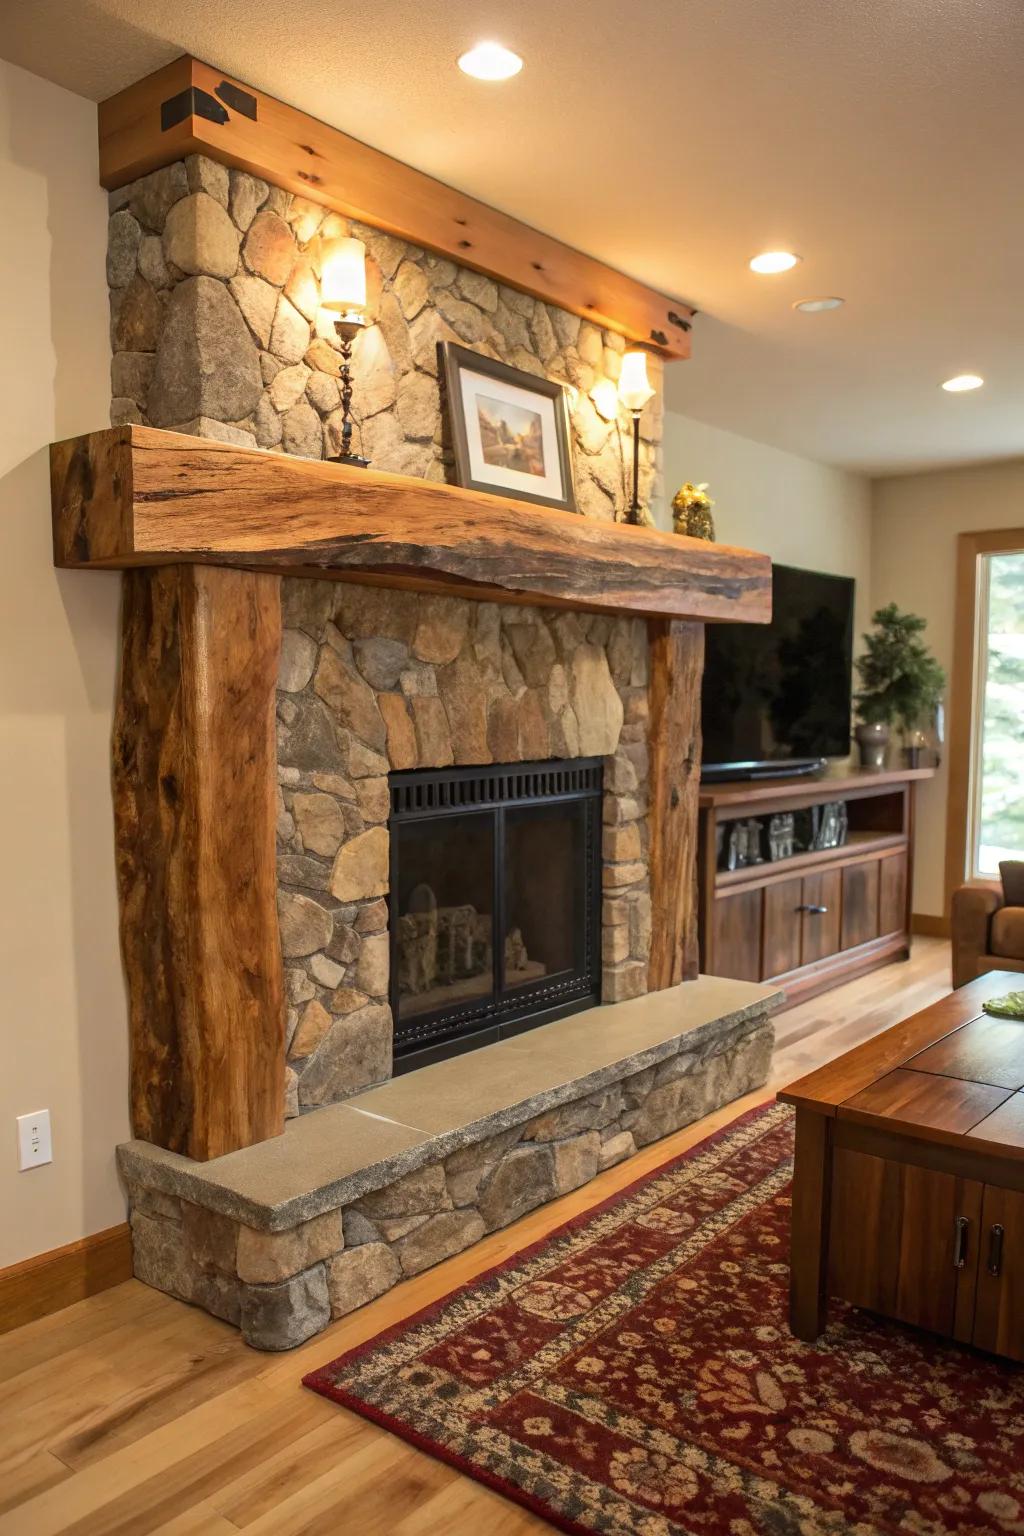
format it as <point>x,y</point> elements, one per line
<point>348,330</point>
<point>634,512</point>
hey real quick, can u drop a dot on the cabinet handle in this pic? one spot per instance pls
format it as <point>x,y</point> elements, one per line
<point>812,909</point>
<point>995,1249</point>
<point>960,1227</point>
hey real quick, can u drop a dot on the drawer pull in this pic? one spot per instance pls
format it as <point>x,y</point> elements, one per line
<point>995,1249</point>
<point>960,1227</point>
<point>812,909</point>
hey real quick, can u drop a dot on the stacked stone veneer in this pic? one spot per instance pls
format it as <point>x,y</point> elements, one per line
<point>281,1286</point>
<point>373,680</point>
<point>216,330</point>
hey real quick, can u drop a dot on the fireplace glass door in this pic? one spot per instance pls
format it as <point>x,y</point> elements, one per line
<point>495,902</point>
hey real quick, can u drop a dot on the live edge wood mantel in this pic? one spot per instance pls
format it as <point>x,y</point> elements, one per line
<point>132,496</point>
<point>204,531</point>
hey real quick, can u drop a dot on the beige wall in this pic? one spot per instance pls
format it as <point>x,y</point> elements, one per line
<point>62,1011</point>
<point>915,525</point>
<point>799,512</point>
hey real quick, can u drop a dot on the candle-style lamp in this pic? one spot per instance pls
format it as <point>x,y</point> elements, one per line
<point>634,392</point>
<point>343,291</point>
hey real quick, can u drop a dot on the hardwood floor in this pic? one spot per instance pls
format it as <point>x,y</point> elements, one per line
<point>130,1414</point>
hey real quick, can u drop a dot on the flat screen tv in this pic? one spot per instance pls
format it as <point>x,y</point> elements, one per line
<point>776,697</point>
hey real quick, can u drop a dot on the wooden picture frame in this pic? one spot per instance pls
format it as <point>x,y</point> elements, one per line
<point>509,429</point>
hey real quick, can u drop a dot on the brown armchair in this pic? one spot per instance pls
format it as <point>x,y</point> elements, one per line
<point>987,934</point>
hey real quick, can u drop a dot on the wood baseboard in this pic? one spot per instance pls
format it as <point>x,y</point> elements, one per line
<point>38,1286</point>
<point>932,926</point>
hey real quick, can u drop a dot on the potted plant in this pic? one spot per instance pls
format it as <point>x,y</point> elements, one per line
<point>900,682</point>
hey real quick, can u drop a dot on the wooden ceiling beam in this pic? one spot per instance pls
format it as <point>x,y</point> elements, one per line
<point>190,108</point>
<point>136,496</point>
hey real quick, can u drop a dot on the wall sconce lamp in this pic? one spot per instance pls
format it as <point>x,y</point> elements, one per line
<point>634,392</point>
<point>343,292</point>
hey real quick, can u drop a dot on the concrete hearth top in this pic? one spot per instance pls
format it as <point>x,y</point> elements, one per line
<point>333,1155</point>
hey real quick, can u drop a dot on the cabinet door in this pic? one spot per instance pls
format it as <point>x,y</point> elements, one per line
<point>819,930</point>
<point>999,1311</point>
<point>892,893</point>
<point>860,903</point>
<point>904,1241</point>
<point>737,950</point>
<point>782,927</point>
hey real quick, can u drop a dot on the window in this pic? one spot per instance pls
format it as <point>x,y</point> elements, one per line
<point>996,811</point>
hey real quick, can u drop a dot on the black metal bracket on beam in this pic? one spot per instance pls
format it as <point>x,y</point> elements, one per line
<point>195,102</point>
<point>237,99</point>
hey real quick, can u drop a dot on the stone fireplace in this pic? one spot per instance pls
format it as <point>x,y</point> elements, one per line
<point>374,683</point>
<point>362,827</point>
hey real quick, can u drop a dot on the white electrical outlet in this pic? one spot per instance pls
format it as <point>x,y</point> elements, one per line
<point>34,1144</point>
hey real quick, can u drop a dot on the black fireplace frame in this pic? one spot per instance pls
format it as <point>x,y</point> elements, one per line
<point>491,790</point>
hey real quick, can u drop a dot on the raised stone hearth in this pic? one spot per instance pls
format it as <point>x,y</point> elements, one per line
<point>282,1237</point>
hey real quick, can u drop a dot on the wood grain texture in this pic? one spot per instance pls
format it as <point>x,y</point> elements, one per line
<point>677,666</point>
<point>941,1106</point>
<point>988,1050</point>
<point>736,925</point>
<point>839,784</point>
<point>178,498</point>
<point>782,927</point>
<point>860,904</point>
<point>829,1086</point>
<point>892,894</point>
<point>811,1225</point>
<point>891,1247</point>
<point>295,151</point>
<point>38,1286</point>
<point>1005,1126</point>
<point>819,931</point>
<point>999,1307</point>
<point>194,760</point>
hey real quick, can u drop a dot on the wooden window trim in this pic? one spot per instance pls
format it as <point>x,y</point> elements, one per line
<point>970,547</point>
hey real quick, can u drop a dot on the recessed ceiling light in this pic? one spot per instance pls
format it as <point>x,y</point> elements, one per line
<point>962,382</point>
<point>816,306</point>
<point>490,61</point>
<point>774,261</point>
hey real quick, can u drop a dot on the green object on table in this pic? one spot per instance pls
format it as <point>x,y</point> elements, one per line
<point>1009,1007</point>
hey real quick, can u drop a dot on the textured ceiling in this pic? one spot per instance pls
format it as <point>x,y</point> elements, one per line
<point>882,140</point>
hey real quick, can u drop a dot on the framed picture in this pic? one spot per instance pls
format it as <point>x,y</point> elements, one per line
<point>510,429</point>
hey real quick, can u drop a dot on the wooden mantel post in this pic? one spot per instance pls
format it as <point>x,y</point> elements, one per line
<point>677,665</point>
<point>194,800</point>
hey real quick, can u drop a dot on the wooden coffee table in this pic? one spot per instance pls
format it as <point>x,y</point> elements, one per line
<point>908,1191</point>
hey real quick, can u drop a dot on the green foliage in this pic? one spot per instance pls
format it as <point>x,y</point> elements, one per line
<point>1002,765</point>
<point>900,680</point>
<point>1009,1007</point>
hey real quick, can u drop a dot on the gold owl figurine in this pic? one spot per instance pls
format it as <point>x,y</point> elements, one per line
<point>691,507</point>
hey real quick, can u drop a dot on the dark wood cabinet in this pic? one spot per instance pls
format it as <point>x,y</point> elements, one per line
<point>820,916</point>
<point>892,893</point>
<point>999,1311</point>
<point>737,935</point>
<point>821,900</point>
<point>783,903</point>
<point>905,1241</point>
<point>860,904</point>
<point>908,1187</point>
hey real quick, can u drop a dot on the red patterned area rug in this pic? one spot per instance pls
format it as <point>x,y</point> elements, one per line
<point>633,1374</point>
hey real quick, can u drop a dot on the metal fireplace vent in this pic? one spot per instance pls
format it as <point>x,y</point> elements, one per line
<point>494,903</point>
